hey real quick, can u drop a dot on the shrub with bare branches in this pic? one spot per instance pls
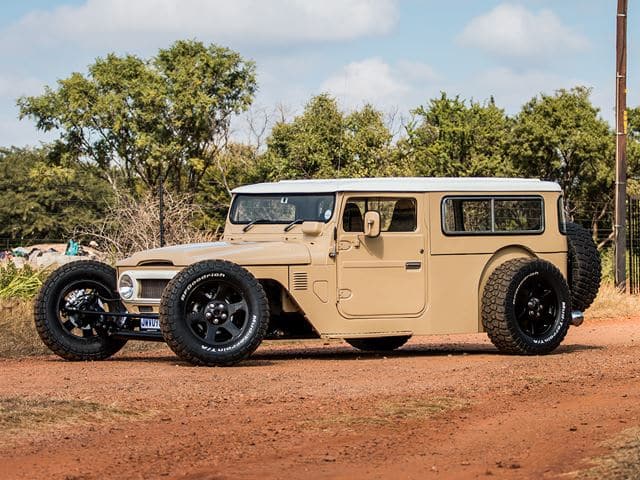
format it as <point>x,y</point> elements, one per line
<point>131,225</point>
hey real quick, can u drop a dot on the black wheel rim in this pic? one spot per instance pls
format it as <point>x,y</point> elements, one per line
<point>216,312</point>
<point>536,306</point>
<point>83,296</point>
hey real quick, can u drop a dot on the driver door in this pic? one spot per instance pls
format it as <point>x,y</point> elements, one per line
<point>383,276</point>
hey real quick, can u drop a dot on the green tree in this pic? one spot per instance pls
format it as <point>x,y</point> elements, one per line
<point>633,151</point>
<point>167,116</point>
<point>239,164</point>
<point>450,137</point>
<point>323,142</point>
<point>47,197</point>
<point>366,145</point>
<point>561,137</point>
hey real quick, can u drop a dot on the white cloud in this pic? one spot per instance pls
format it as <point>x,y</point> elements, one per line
<point>512,88</point>
<point>379,83</point>
<point>122,23</point>
<point>513,31</point>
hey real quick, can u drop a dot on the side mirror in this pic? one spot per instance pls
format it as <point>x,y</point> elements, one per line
<point>312,228</point>
<point>372,224</point>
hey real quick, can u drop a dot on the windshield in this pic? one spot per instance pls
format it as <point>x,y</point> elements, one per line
<point>282,208</point>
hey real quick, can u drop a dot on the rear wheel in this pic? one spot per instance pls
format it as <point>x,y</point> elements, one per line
<point>214,313</point>
<point>526,307</point>
<point>378,344</point>
<point>61,308</point>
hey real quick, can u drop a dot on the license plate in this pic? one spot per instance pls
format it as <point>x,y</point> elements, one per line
<point>150,323</point>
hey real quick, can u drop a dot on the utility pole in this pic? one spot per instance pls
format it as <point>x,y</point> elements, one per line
<point>620,236</point>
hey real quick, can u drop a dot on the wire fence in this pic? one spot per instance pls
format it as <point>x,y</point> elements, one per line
<point>7,243</point>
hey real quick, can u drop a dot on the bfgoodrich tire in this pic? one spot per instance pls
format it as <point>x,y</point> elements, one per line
<point>526,307</point>
<point>584,267</point>
<point>84,285</point>
<point>378,344</point>
<point>214,313</point>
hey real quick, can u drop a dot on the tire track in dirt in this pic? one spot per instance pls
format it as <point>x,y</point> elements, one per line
<point>442,407</point>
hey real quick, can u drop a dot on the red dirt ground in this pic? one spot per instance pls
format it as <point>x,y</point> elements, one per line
<point>441,407</point>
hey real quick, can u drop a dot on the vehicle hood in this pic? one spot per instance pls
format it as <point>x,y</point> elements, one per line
<point>241,253</point>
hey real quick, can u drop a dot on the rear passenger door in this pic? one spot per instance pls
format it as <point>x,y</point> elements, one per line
<point>383,276</point>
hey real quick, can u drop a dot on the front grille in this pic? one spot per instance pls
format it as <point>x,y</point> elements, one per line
<point>152,288</point>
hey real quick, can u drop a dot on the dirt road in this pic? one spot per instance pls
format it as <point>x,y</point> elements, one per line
<point>441,407</point>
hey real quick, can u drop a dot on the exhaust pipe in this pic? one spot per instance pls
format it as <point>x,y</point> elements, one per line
<point>577,317</point>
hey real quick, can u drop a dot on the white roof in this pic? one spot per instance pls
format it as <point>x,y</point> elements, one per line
<point>403,184</point>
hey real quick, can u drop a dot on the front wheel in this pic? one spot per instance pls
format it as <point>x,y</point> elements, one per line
<point>68,307</point>
<point>214,313</point>
<point>526,307</point>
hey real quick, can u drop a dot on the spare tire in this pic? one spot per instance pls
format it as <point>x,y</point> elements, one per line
<point>584,267</point>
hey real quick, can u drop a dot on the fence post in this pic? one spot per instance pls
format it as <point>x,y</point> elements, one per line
<point>161,208</point>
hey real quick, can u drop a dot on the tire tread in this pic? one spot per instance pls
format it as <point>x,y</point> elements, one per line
<point>168,310</point>
<point>494,308</point>
<point>79,352</point>
<point>585,270</point>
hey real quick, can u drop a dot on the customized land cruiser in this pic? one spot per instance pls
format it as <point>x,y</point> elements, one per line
<point>373,261</point>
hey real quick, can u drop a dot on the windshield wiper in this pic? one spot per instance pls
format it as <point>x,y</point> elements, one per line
<point>294,223</point>
<point>253,222</point>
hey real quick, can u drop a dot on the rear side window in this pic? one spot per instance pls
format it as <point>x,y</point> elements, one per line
<point>562,216</point>
<point>492,215</point>
<point>396,214</point>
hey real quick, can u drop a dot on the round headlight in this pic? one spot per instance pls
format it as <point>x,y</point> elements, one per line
<point>125,287</point>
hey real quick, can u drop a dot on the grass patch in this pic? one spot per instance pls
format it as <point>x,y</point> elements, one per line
<point>18,336</point>
<point>611,303</point>
<point>19,413</point>
<point>388,413</point>
<point>623,463</point>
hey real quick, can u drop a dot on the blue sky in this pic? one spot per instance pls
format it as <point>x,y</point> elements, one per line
<point>395,54</point>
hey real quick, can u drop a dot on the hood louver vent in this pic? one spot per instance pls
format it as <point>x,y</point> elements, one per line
<point>300,281</point>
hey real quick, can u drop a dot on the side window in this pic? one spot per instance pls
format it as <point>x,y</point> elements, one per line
<point>396,214</point>
<point>352,217</point>
<point>492,215</point>
<point>518,215</point>
<point>562,216</point>
<point>467,215</point>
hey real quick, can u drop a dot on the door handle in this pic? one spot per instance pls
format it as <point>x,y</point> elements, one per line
<point>413,265</point>
<point>347,244</point>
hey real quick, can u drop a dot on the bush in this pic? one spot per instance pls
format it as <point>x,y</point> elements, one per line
<point>133,224</point>
<point>20,283</point>
<point>607,261</point>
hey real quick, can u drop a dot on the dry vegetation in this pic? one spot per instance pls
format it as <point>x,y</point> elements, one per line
<point>611,303</point>
<point>132,225</point>
<point>624,461</point>
<point>18,414</point>
<point>18,335</point>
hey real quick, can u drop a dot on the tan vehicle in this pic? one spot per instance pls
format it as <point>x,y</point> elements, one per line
<point>372,261</point>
